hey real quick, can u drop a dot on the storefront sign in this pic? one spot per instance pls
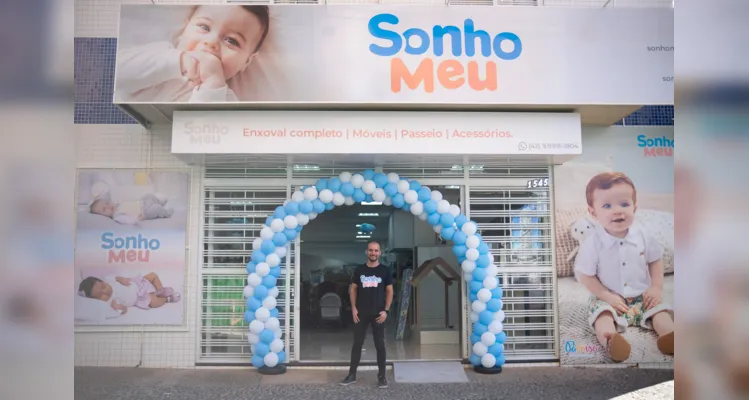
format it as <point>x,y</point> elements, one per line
<point>355,132</point>
<point>394,54</point>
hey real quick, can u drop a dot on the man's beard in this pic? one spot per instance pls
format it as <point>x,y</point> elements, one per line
<point>373,259</point>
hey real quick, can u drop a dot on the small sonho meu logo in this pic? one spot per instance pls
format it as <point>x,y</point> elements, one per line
<point>205,133</point>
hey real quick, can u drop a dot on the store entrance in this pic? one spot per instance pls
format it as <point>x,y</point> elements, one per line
<point>427,318</point>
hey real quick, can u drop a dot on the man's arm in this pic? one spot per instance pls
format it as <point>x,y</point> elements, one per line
<point>352,296</point>
<point>388,296</point>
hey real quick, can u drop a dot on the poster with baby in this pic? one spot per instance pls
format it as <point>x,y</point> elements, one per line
<point>130,247</point>
<point>614,222</point>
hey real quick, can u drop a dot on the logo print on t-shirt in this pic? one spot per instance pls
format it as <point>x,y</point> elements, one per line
<point>370,281</point>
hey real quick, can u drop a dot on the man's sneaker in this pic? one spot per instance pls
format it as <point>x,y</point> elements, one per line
<point>382,382</point>
<point>351,378</point>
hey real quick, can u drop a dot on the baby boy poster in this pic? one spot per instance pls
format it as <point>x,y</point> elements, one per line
<point>130,251</point>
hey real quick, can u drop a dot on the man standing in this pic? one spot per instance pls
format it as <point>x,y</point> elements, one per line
<point>371,294</point>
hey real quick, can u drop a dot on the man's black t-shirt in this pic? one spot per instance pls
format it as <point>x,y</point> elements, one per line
<point>371,283</point>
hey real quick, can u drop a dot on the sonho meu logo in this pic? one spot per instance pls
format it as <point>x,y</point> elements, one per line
<point>656,147</point>
<point>450,73</point>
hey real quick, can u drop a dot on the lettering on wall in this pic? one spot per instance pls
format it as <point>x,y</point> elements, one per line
<point>656,147</point>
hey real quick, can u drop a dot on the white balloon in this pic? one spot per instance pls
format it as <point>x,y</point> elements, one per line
<point>357,180</point>
<point>256,327</point>
<point>437,228</point>
<point>388,201</point>
<point>262,314</point>
<point>472,254</point>
<point>249,291</point>
<point>468,266</point>
<point>417,208</point>
<point>276,345</point>
<point>297,196</point>
<point>474,317</point>
<point>273,260</point>
<point>393,177</point>
<point>436,195</point>
<point>379,195</point>
<point>266,233</point>
<point>312,216</point>
<point>472,242</point>
<point>476,306</point>
<point>326,196</point>
<point>480,349</point>
<point>468,276</point>
<point>254,279</point>
<point>338,198</point>
<point>454,210</point>
<point>253,338</point>
<point>277,334</point>
<point>499,315</point>
<point>271,359</point>
<point>257,243</point>
<point>302,219</point>
<point>488,339</point>
<point>277,225</point>
<point>484,295</point>
<point>269,302</point>
<point>310,193</point>
<point>280,252</point>
<point>345,177</point>
<point>349,201</point>
<point>492,270</point>
<point>290,222</point>
<point>403,186</point>
<point>469,228</point>
<point>272,324</point>
<point>495,327</point>
<point>273,292</point>
<point>423,216</point>
<point>368,187</point>
<point>411,197</point>
<point>443,206</point>
<point>262,269</point>
<point>488,360</point>
<point>490,282</point>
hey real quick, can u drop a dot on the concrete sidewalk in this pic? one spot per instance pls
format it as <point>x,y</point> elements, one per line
<point>533,383</point>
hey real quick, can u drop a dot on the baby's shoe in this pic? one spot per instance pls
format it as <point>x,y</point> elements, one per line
<point>173,298</point>
<point>165,292</point>
<point>619,348</point>
<point>666,344</point>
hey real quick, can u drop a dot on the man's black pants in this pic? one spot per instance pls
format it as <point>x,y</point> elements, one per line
<point>360,331</point>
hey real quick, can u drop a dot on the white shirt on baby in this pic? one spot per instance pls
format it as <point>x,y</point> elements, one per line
<point>125,295</point>
<point>127,212</point>
<point>152,73</point>
<point>621,264</point>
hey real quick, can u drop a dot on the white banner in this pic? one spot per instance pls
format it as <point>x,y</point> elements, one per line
<point>354,132</point>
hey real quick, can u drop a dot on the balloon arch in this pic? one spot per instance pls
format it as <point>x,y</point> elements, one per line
<point>347,189</point>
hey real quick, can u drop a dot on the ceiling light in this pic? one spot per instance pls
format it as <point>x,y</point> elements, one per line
<point>452,187</point>
<point>305,167</point>
<point>369,214</point>
<point>363,236</point>
<point>371,203</point>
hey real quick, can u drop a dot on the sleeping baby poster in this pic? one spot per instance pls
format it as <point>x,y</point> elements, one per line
<point>614,222</point>
<point>130,247</point>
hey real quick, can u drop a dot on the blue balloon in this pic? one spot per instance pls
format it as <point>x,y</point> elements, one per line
<point>279,239</point>
<point>267,247</point>
<point>406,207</point>
<point>334,184</point>
<point>274,313</point>
<point>251,267</point>
<point>253,303</point>
<point>483,261</point>
<point>266,336</point>
<point>269,219</point>
<point>398,200</point>
<point>292,208</point>
<point>268,282</point>
<point>494,305</point>
<point>473,296</point>
<point>260,292</point>
<point>298,228</point>
<point>447,220</point>
<point>359,195</point>
<point>368,228</point>
<point>275,271</point>
<point>369,198</point>
<point>321,184</point>
<point>497,293</point>
<point>483,248</point>
<point>501,337</point>
<point>347,189</point>
<point>460,250</point>
<point>480,328</point>
<point>305,207</point>
<point>486,317</point>
<point>475,360</point>
<point>496,349</point>
<point>500,360</point>
<point>261,349</point>
<point>434,218</point>
<point>290,233</point>
<point>447,233</point>
<point>415,186</point>
<point>391,189</point>
<point>329,206</point>
<point>318,206</point>
<point>380,179</point>
<point>257,256</point>
<point>475,337</point>
<point>430,206</point>
<point>479,274</point>
<point>459,238</point>
<point>249,316</point>
<point>461,258</point>
<point>281,356</point>
<point>475,286</point>
<point>368,174</point>
<point>460,220</point>
<point>424,194</point>
<point>257,361</point>
<point>280,212</point>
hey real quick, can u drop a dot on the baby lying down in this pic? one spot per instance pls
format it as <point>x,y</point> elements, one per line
<point>131,212</point>
<point>144,292</point>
